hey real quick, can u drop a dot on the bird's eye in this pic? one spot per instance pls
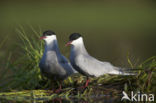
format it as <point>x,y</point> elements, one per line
<point>48,34</point>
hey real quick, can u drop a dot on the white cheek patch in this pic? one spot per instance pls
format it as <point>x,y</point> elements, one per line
<point>50,38</point>
<point>77,41</point>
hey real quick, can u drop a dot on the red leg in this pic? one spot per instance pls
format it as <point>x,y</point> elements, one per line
<point>59,89</point>
<point>86,84</point>
<point>58,99</point>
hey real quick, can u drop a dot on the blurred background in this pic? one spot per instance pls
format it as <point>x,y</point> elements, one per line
<point>112,30</point>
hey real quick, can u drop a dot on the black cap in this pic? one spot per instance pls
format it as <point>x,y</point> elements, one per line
<point>74,36</point>
<point>48,33</point>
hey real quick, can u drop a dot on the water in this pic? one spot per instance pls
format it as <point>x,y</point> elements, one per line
<point>89,99</point>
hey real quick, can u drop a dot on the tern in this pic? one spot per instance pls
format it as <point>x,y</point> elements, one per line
<point>86,64</point>
<point>53,64</point>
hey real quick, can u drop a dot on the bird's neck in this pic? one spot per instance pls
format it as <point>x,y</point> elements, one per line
<point>79,48</point>
<point>52,45</point>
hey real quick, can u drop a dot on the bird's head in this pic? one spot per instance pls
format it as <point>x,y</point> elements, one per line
<point>48,35</point>
<point>74,39</point>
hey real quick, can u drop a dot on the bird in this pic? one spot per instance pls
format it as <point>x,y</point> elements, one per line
<point>53,64</point>
<point>86,64</point>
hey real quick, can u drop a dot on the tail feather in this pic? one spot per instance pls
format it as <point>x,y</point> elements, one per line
<point>126,73</point>
<point>123,71</point>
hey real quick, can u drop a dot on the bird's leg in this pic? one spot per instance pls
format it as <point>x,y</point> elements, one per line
<point>60,87</point>
<point>57,99</point>
<point>86,84</point>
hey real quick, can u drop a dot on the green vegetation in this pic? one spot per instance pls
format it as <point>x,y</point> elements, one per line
<point>25,82</point>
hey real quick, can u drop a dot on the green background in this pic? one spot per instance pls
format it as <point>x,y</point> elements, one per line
<point>111,29</point>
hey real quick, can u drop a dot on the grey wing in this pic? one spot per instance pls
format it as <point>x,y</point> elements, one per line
<point>94,67</point>
<point>67,66</point>
<point>99,68</point>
